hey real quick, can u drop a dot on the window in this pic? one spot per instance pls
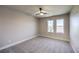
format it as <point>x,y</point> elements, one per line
<point>50,26</point>
<point>59,26</point>
<point>56,26</point>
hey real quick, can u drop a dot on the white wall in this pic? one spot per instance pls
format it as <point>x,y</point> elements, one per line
<point>74,28</point>
<point>15,26</point>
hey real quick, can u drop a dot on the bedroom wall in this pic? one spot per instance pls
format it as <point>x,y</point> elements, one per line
<point>43,28</point>
<point>74,28</point>
<point>16,26</point>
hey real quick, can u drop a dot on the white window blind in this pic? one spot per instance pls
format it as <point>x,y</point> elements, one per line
<point>60,26</point>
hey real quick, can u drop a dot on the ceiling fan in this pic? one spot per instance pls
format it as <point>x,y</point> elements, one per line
<point>40,12</point>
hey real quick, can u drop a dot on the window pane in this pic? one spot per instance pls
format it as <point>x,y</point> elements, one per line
<point>60,26</point>
<point>60,22</point>
<point>50,26</point>
<point>60,30</point>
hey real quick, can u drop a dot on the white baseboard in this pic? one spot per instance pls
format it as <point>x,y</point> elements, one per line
<point>73,48</point>
<point>52,37</point>
<point>18,42</point>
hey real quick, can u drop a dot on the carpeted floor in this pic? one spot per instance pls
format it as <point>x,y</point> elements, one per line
<point>40,45</point>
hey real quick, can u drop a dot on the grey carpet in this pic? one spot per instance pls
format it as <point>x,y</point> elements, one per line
<point>40,45</point>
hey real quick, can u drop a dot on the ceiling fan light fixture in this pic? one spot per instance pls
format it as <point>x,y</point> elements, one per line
<point>40,12</point>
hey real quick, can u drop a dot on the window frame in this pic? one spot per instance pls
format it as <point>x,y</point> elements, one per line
<point>54,26</point>
<point>63,26</point>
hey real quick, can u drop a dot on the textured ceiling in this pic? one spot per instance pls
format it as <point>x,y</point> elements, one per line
<point>51,9</point>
